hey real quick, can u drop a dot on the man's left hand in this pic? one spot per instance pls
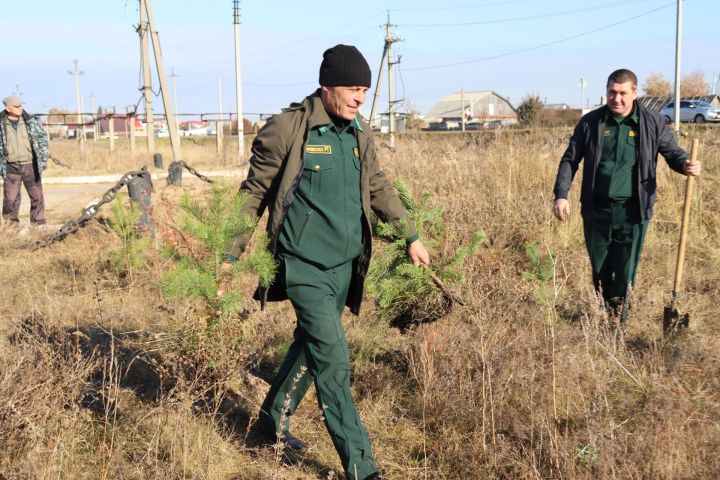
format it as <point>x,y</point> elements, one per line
<point>692,168</point>
<point>418,254</point>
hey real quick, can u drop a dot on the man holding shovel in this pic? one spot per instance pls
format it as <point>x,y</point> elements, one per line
<point>620,143</point>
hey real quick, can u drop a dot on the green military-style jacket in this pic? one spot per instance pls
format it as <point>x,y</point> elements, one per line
<point>276,167</point>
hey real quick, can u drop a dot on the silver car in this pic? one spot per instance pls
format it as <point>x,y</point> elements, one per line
<point>692,111</point>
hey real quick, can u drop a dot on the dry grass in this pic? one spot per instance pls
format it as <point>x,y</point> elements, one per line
<point>200,152</point>
<point>101,377</point>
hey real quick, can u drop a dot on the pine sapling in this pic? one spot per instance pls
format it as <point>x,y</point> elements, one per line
<point>204,231</point>
<point>123,220</point>
<point>406,294</point>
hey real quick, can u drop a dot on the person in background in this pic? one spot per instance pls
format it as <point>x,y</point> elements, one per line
<point>23,157</point>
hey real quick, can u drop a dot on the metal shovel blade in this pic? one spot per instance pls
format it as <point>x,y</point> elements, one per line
<point>673,320</point>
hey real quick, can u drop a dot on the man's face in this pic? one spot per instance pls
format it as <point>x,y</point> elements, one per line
<point>13,112</point>
<point>620,97</point>
<point>343,102</point>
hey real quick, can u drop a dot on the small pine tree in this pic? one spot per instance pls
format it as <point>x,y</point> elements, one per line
<point>406,294</point>
<point>542,276</point>
<point>124,221</point>
<point>205,230</point>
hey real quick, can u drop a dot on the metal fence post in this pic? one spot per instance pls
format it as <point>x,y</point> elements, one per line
<point>175,171</point>
<point>139,189</point>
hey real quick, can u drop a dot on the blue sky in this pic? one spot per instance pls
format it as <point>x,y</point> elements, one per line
<point>514,47</point>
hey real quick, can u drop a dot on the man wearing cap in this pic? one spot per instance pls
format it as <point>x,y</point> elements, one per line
<point>23,156</point>
<point>315,168</point>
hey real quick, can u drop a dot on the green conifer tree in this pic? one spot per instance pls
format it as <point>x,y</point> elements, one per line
<point>206,229</point>
<point>406,294</point>
<point>123,220</point>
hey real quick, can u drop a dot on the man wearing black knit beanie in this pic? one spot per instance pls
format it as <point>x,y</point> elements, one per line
<point>315,169</point>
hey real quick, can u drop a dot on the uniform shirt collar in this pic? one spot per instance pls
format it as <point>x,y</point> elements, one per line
<point>633,115</point>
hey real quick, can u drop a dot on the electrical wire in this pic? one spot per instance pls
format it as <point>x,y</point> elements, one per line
<point>529,17</point>
<point>546,44</point>
<point>457,7</point>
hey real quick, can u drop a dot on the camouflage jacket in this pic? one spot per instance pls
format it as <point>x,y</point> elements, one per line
<point>38,142</point>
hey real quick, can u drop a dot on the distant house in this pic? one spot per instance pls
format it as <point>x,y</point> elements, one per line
<point>480,109</point>
<point>658,103</point>
<point>121,124</point>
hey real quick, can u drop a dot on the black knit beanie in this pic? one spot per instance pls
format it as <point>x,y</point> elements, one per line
<point>344,66</point>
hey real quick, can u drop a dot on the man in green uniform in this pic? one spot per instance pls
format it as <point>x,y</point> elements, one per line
<point>314,167</point>
<point>620,143</point>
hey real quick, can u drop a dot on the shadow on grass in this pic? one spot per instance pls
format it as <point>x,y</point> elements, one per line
<point>130,360</point>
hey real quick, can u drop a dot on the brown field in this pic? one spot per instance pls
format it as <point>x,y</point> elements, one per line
<point>103,377</point>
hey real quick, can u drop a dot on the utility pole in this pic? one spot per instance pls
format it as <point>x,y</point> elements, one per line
<point>81,137</point>
<point>218,123</point>
<point>715,79</point>
<point>146,89</point>
<point>174,138</point>
<point>583,84</point>
<point>18,93</point>
<point>172,75</point>
<point>678,35</point>
<point>377,84</point>
<point>389,40</point>
<point>238,80</point>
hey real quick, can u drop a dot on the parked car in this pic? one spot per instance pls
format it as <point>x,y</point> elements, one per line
<point>692,111</point>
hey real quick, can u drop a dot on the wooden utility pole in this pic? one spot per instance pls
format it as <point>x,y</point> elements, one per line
<point>81,137</point>
<point>111,130</point>
<point>147,80</point>
<point>131,131</point>
<point>172,126</point>
<point>238,80</point>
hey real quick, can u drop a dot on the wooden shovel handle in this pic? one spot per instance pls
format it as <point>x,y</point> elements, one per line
<point>690,183</point>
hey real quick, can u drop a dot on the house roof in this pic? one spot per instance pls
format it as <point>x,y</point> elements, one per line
<point>449,106</point>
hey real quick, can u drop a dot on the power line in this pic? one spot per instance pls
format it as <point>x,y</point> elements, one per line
<point>457,7</point>
<point>529,17</point>
<point>547,44</point>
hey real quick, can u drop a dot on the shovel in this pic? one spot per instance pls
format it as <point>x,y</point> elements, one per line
<point>672,318</point>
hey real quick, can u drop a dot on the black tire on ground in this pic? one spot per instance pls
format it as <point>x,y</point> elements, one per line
<point>699,119</point>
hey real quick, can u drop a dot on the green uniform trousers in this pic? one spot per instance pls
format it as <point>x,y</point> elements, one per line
<point>614,237</point>
<point>318,296</point>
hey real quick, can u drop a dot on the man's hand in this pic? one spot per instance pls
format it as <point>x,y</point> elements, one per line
<point>561,208</point>
<point>418,254</point>
<point>692,168</point>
